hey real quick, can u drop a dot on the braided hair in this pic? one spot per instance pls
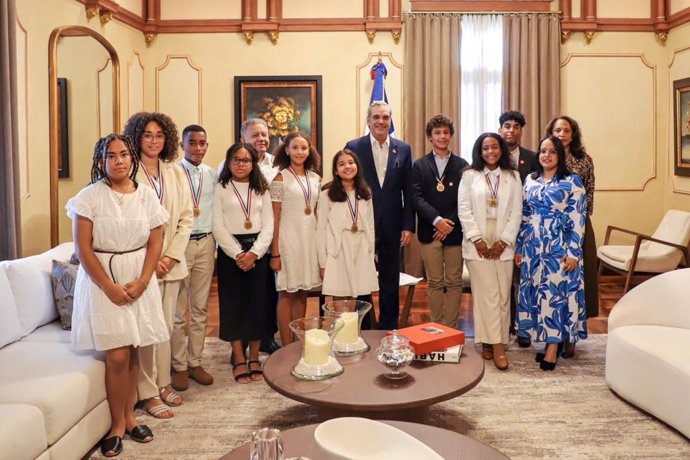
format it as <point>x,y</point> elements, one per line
<point>100,152</point>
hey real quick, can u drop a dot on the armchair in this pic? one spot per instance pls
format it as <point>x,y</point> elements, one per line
<point>651,254</point>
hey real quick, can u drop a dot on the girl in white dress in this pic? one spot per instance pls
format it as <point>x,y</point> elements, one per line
<point>345,232</point>
<point>294,191</point>
<point>117,230</point>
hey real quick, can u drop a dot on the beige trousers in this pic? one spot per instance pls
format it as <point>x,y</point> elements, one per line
<point>491,282</point>
<point>154,369</point>
<point>443,266</point>
<point>193,296</point>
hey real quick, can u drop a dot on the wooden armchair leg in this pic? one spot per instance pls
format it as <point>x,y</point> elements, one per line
<point>628,281</point>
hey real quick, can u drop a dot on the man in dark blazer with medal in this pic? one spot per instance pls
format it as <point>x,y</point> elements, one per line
<point>510,128</point>
<point>387,168</point>
<point>435,180</point>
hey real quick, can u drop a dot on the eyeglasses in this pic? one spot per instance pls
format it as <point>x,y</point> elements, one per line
<point>548,151</point>
<point>241,161</point>
<point>148,137</point>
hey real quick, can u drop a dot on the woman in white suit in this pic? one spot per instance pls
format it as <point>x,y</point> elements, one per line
<point>490,210</point>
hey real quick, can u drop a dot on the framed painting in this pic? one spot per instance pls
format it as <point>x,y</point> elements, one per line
<point>286,103</point>
<point>681,125</point>
<point>63,137</point>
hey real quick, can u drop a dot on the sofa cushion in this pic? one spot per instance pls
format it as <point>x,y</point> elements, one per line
<point>10,327</point>
<point>22,433</point>
<point>51,332</point>
<point>63,383</point>
<point>63,279</point>
<point>33,294</point>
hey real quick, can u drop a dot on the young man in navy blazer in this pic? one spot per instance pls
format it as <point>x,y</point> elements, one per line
<point>435,180</point>
<point>525,161</point>
<point>387,166</point>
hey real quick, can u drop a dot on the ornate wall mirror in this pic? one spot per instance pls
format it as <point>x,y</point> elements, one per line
<point>84,104</point>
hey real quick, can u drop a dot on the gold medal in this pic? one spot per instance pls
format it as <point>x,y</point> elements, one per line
<point>197,211</point>
<point>354,228</point>
<point>307,210</point>
<point>440,187</point>
<point>247,224</point>
<point>493,202</point>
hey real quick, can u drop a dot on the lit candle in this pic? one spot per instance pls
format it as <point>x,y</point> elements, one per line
<point>350,331</point>
<point>317,347</point>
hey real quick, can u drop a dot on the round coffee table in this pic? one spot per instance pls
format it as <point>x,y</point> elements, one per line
<point>448,444</point>
<point>363,391</point>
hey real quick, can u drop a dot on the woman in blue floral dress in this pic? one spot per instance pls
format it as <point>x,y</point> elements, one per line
<point>549,254</point>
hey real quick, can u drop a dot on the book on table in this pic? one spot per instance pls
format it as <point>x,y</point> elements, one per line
<point>431,337</point>
<point>449,355</point>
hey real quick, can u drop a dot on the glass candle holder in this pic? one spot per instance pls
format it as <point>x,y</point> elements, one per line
<point>316,335</point>
<point>395,352</point>
<point>267,444</point>
<point>348,340</point>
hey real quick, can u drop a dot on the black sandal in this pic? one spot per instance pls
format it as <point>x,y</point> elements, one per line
<point>140,433</point>
<point>243,375</point>
<point>254,372</point>
<point>112,444</point>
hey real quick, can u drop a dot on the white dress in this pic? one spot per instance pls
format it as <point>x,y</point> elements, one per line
<point>297,236</point>
<point>97,323</point>
<point>347,257</point>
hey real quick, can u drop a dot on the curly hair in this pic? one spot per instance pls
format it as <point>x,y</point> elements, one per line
<point>257,181</point>
<point>562,168</point>
<point>576,147</point>
<point>513,115</point>
<point>439,121</point>
<point>336,191</point>
<point>282,159</point>
<point>100,150</point>
<point>134,129</point>
<point>478,162</point>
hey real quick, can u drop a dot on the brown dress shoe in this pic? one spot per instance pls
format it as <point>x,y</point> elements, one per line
<point>200,376</point>
<point>487,351</point>
<point>500,360</point>
<point>179,380</point>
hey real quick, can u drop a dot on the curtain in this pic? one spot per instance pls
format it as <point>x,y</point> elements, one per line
<point>531,75</point>
<point>10,223</point>
<point>431,85</point>
<point>482,72</point>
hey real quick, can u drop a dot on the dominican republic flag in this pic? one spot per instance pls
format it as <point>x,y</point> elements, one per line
<point>378,93</point>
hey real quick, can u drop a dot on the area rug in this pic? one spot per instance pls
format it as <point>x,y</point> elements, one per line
<point>524,412</point>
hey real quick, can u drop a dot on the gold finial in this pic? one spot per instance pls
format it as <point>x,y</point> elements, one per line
<point>249,37</point>
<point>106,17</point>
<point>662,37</point>
<point>91,12</point>
<point>274,37</point>
<point>588,37</point>
<point>370,36</point>
<point>396,36</point>
<point>148,38</point>
<point>565,35</point>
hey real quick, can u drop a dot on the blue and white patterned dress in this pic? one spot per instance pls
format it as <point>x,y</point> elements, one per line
<point>551,303</point>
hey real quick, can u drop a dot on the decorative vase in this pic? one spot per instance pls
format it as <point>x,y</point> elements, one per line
<point>316,335</point>
<point>348,340</point>
<point>395,352</point>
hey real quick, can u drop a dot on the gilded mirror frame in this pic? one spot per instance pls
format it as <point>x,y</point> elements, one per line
<point>53,107</point>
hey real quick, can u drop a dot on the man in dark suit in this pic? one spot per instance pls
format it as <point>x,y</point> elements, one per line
<point>525,161</point>
<point>435,180</point>
<point>387,166</point>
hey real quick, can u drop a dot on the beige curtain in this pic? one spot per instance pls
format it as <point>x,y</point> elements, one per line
<point>10,222</point>
<point>531,70</point>
<point>431,85</point>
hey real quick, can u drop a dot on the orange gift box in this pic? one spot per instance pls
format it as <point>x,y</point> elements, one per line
<point>430,337</point>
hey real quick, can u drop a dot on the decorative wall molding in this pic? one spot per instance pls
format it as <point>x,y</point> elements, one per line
<point>481,6</point>
<point>101,76</point>
<point>23,67</point>
<point>197,69</point>
<point>132,64</point>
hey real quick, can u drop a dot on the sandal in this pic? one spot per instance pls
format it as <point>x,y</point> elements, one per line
<point>111,447</point>
<point>244,377</point>
<point>487,351</point>
<point>140,433</point>
<point>157,411</point>
<point>171,398</point>
<point>256,374</point>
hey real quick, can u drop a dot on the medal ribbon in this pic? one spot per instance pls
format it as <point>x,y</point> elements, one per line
<point>493,190</point>
<point>246,209</point>
<point>306,191</point>
<point>157,185</point>
<point>440,180</point>
<point>196,194</point>
<point>354,210</point>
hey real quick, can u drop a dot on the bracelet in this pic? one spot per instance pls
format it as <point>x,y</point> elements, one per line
<point>275,257</point>
<point>143,282</point>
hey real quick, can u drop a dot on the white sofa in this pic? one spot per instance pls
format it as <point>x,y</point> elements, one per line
<point>648,350</point>
<point>52,397</point>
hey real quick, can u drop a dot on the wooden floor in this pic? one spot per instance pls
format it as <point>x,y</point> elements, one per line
<point>610,290</point>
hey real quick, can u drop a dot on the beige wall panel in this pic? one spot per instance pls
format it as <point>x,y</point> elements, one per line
<point>383,8</point>
<point>576,8</point>
<point>23,110</point>
<point>393,87</point>
<point>178,90</point>
<point>201,9</point>
<point>623,9</point>
<point>135,86</point>
<point>677,5</point>
<point>105,98</point>
<point>134,6</point>
<point>324,9</point>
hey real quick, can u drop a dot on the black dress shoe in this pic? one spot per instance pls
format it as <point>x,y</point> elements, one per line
<point>269,346</point>
<point>140,433</point>
<point>524,342</point>
<point>111,447</point>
